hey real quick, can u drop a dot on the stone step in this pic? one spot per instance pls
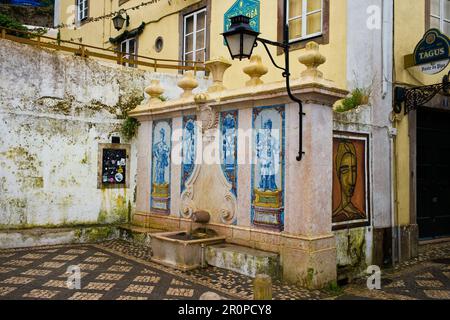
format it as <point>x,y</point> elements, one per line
<point>33,237</point>
<point>137,234</point>
<point>243,260</point>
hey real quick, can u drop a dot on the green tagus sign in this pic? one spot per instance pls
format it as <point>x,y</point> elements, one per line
<point>249,8</point>
<point>432,53</point>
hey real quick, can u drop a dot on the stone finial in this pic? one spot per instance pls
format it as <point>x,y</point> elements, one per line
<point>217,67</point>
<point>201,98</point>
<point>312,59</point>
<point>255,70</point>
<point>154,90</point>
<point>188,83</point>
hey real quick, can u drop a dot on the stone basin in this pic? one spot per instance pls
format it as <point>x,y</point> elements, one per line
<point>180,250</point>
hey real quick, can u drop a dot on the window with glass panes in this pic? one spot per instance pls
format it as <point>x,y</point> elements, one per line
<point>194,45</point>
<point>128,47</point>
<point>83,9</point>
<point>305,19</point>
<point>440,15</point>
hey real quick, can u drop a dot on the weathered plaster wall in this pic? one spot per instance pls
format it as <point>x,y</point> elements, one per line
<point>54,111</point>
<point>370,24</point>
<point>354,245</point>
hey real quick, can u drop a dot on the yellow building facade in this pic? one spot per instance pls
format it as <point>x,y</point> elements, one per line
<point>166,20</point>
<point>413,194</point>
<point>384,32</point>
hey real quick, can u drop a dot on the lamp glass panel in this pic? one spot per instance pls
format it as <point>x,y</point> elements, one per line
<point>234,44</point>
<point>118,22</point>
<point>249,42</point>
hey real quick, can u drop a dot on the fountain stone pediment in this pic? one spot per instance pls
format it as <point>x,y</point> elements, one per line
<point>208,188</point>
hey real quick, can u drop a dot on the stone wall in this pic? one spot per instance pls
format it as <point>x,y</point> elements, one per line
<point>34,16</point>
<point>55,110</point>
<point>371,68</point>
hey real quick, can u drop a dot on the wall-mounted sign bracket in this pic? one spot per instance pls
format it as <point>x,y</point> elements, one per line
<point>413,98</point>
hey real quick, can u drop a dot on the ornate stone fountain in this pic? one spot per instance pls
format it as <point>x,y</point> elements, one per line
<point>185,250</point>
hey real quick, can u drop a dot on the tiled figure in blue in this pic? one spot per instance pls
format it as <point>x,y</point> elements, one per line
<point>268,157</point>
<point>189,145</point>
<point>228,147</point>
<point>161,153</point>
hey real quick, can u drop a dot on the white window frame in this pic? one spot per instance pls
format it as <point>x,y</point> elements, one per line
<point>442,19</point>
<point>303,17</point>
<point>83,9</point>
<point>193,33</point>
<point>127,51</point>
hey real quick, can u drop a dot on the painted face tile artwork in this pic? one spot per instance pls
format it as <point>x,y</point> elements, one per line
<point>350,180</point>
<point>268,168</point>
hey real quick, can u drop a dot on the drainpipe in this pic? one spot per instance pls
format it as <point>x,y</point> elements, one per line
<point>387,48</point>
<point>57,13</point>
<point>392,162</point>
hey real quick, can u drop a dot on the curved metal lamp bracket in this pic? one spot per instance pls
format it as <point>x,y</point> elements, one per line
<point>416,97</point>
<point>286,74</point>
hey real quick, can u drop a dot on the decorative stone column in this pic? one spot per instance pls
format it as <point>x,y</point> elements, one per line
<point>154,91</point>
<point>188,83</point>
<point>217,67</point>
<point>255,70</point>
<point>309,250</point>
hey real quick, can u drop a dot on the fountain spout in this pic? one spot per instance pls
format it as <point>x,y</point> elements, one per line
<point>202,217</point>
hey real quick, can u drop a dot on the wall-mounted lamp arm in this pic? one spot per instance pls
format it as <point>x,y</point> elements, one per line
<point>265,42</point>
<point>287,74</point>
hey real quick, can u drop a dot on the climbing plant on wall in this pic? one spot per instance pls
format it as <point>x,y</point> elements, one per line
<point>129,127</point>
<point>11,23</point>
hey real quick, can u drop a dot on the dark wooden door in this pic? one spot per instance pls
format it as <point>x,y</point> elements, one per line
<point>433,173</point>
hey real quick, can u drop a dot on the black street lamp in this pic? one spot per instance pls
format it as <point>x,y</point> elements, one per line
<point>241,39</point>
<point>119,20</point>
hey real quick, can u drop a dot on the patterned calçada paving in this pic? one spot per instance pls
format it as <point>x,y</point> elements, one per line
<point>42,273</point>
<point>119,270</point>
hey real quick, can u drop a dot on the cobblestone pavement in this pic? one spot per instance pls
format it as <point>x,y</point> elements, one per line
<point>426,277</point>
<point>117,270</point>
<point>41,273</point>
<point>227,282</point>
